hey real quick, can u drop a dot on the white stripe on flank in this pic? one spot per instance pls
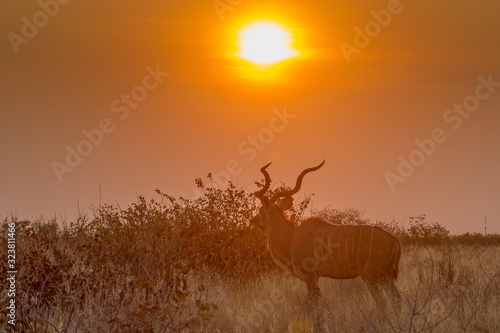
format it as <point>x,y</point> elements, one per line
<point>370,249</point>
<point>352,248</point>
<point>339,250</point>
<point>386,243</point>
<point>346,248</point>
<point>332,260</point>
<point>359,246</point>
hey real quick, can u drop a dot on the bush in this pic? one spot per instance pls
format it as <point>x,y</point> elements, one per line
<point>140,260</point>
<point>421,231</point>
<point>144,267</point>
<point>346,216</point>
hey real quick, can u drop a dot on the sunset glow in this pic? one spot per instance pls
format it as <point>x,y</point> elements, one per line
<point>265,43</point>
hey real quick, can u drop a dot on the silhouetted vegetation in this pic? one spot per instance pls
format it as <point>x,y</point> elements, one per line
<point>146,268</point>
<point>418,231</point>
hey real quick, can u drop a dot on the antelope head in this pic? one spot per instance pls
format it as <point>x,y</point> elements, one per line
<point>270,209</point>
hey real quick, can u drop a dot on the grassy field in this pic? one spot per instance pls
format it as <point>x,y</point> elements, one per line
<point>199,266</point>
<point>445,289</point>
<point>449,288</point>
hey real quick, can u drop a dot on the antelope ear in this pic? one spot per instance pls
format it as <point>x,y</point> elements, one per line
<point>286,203</point>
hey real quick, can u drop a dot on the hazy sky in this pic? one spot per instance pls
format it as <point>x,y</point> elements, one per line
<point>401,99</point>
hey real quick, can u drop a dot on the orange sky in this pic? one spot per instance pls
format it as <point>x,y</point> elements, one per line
<point>361,112</point>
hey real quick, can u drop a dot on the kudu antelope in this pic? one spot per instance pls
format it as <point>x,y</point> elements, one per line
<point>319,249</point>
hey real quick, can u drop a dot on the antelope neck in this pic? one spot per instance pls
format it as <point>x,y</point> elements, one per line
<point>279,236</point>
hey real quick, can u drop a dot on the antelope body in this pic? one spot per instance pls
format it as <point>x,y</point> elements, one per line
<point>319,249</point>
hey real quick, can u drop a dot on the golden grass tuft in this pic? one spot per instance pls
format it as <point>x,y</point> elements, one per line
<point>303,324</point>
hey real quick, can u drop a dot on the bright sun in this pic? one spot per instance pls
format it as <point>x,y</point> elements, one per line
<point>265,43</point>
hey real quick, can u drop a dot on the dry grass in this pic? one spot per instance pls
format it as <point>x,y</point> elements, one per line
<point>65,287</point>
<point>445,289</point>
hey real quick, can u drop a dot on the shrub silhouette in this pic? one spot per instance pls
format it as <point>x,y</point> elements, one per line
<point>134,267</point>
